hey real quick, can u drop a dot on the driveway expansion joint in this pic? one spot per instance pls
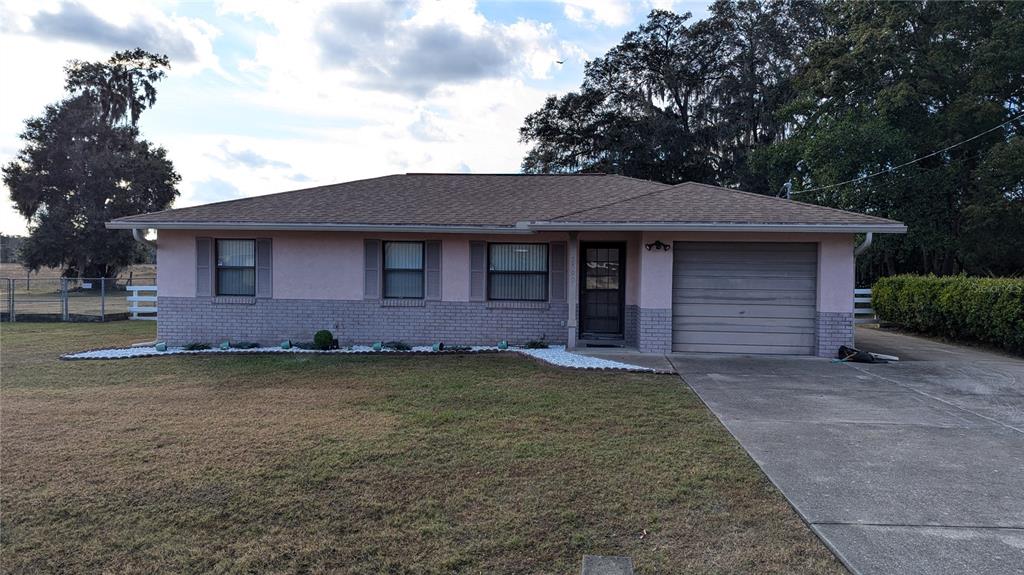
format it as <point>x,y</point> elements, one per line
<point>939,399</point>
<point>919,525</point>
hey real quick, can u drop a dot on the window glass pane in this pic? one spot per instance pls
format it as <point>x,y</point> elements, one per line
<point>403,284</point>
<point>518,286</point>
<point>601,268</point>
<point>403,256</point>
<point>519,257</point>
<point>236,281</point>
<point>234,253</point>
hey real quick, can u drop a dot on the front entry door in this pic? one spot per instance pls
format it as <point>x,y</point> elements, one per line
<point>602,289</point>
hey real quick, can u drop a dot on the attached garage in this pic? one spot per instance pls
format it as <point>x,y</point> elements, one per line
<point>734,297</point>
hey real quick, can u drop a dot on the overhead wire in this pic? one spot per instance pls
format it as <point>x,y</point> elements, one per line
<point>905,164</point>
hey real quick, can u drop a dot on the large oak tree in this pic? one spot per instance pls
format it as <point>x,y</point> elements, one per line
<point>84,163</point>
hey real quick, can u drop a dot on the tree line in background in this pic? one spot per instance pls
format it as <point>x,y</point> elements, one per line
<point>85,163</point>
<point>815,94</point>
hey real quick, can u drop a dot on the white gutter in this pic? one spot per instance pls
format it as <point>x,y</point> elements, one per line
<point>395,228</point>
<point>140,236</point>
<point>722,227</point>
<point>864,245</point>
<point>519,228</point>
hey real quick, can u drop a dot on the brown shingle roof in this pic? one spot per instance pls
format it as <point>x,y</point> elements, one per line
<point>502,200</point>
<point>700,203</point>
<point>421,199</point>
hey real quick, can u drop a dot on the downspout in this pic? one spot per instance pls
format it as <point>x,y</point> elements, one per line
<point>859,249</point>
<point>140,237</point>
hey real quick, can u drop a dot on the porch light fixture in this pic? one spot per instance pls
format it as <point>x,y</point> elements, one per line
<point>658,245</point>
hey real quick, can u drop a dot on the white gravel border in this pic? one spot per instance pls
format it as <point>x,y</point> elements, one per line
<point>554,355</point>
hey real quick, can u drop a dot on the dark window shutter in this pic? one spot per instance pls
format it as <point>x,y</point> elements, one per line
<point>264,277</point>
<point>371,269</point>
<point>477,271</point>
<point>556,271</point>
<point>432,268</point>
<point>204,267</point>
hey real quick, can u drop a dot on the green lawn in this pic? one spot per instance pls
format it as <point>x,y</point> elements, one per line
<point>367,464</point>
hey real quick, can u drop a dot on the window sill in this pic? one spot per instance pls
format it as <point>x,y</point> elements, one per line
<point>403,302</point>
<point>513,304</point>
<point>234,299</point>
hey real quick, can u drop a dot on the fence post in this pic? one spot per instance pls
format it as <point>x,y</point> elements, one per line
<point>103,299</point>
<point>10,300</point>
<point>65,312</point>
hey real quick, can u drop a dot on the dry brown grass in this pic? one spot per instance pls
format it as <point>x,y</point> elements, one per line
<point>471,464</point>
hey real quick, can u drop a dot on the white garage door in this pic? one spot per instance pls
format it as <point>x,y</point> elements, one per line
<point>744,297</point>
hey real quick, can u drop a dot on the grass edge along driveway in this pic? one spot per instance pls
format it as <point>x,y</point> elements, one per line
<point>367,464</point>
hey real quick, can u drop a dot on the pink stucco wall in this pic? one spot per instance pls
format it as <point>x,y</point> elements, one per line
<point>176,263</point>
<point>836,273</point>
<point>329,265</point>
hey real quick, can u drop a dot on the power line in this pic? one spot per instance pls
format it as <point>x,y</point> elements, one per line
<point>915,160</point>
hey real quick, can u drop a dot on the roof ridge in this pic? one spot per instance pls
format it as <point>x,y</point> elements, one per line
<point>502,174</point>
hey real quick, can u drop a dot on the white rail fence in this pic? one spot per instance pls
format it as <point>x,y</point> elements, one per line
<point>140,304</point>
<point>862,312</point>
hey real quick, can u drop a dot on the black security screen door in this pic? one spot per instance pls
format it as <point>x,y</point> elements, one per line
<point>602,289</point>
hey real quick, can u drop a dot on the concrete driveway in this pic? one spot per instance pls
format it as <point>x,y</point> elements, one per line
<point>910,467</point>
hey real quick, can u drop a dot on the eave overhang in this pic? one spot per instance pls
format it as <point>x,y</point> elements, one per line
<point>519,229</point>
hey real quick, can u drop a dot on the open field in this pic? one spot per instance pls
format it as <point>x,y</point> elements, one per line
<point>16,271</point>
<point>368,464</point>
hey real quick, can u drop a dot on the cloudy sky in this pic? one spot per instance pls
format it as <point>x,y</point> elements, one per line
<point>266,96</point>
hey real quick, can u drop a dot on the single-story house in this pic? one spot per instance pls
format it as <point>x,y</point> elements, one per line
<point>582,259</point>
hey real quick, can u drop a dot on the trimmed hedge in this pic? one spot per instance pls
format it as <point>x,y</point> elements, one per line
<point>989,310</point>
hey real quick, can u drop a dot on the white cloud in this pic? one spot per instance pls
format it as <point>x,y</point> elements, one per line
<point>603,12</point>
<point>420,86</point>
<point>248,159</point>
<point>114,26</point>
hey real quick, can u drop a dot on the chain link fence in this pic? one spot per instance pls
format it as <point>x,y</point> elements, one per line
<point>69,299</point>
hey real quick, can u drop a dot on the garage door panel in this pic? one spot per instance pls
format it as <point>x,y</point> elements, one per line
<point>746,324</point>
<point>743,310</point>
<point>744,297</point>
<point>745,282</point>
<point>736,338</point>
<point>751,349</point>
<point>745,247</point>
<point>768,269</point>
<point>703,296</point>
<point>744,259</point>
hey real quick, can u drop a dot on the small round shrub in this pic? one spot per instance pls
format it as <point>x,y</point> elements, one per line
<point>323,339</point>
<point>541,343</point>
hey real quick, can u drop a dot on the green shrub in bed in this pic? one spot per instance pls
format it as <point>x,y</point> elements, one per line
<point>541,343</point>
<point>245,345</point>
<point>323,339</point>
<point>196,346</point>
